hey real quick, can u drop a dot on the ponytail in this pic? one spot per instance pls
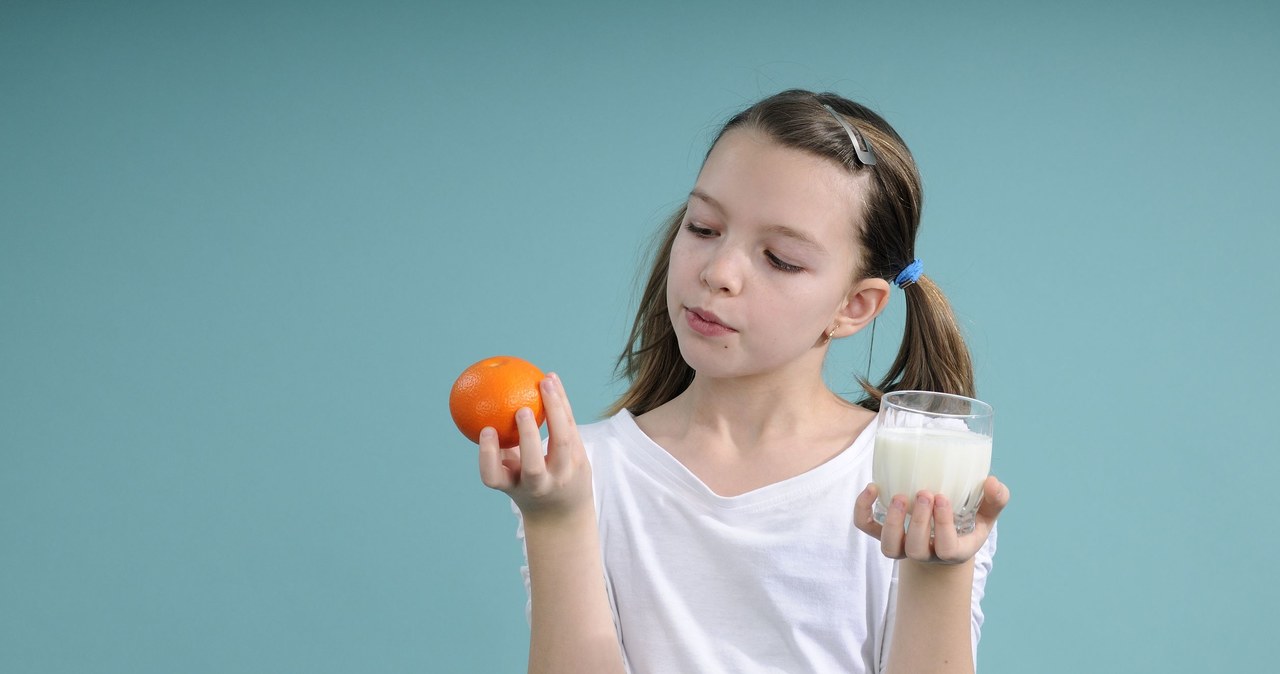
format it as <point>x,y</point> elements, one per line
<point>933,355</point>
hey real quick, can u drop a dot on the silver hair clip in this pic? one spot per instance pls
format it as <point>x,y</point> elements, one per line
<point>860,145</point>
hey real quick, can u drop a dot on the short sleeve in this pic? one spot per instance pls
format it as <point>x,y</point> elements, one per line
<point>524,570</point>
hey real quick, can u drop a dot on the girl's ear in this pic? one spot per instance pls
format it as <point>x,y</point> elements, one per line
<point>866,299</point>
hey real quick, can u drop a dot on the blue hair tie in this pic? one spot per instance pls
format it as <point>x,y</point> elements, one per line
<point>909,275</point>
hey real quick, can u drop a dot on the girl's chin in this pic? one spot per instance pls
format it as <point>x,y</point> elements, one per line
<point>711,361</point>
<point>727,361</point>
<point>706,358</point>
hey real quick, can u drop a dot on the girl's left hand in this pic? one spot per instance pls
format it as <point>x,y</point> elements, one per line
<point>932,536</point>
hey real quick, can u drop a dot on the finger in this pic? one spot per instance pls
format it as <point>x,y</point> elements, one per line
<point>946,542</point>
<point>892,533</point>
<point>919,543</point>
<point>511,459</point>
<point>493,473</point>
<point>533,464</point>
<point>564,397</point>
<point>863,517</point>
<point>562,432</point>
<point>995,496</point>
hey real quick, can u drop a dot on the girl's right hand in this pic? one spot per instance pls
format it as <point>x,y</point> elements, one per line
<point>545,488</point>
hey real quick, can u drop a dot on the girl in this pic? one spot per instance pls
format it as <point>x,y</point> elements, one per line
<point>709,524</point>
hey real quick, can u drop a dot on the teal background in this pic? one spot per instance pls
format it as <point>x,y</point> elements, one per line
<point>246,247</point>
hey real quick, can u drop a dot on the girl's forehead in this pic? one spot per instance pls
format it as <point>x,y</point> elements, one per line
<point>750,175</point>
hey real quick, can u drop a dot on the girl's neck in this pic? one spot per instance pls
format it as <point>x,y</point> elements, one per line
<point>739,436</point>
<point>754,414</point>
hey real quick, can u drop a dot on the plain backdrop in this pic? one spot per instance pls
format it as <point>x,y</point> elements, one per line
<point>245,248</point>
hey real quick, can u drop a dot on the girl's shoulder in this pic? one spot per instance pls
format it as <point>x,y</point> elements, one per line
<point>614,431</point>
<point>618,444</point>
<point>606,425</point>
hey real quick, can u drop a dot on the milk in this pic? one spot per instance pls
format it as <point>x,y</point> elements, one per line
<point>949,461</point>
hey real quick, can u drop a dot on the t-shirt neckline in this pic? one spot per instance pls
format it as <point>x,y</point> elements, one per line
<point>840,466</point>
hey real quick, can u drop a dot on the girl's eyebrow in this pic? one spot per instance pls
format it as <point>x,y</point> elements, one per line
<point>780,230</point>
<point>707,198</point>
<point>795,235</point>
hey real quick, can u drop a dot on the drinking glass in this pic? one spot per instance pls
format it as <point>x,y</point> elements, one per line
<point>936,442</point>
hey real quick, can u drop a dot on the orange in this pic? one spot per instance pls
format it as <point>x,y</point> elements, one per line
<point>490,392</point>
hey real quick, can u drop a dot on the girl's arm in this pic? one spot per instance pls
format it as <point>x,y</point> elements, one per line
<point>932,628</point>
<point>572,626</point>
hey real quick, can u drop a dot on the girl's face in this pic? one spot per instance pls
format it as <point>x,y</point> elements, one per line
<point>763,266</point>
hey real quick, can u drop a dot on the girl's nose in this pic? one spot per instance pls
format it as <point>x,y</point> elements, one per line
<point>723,272</point>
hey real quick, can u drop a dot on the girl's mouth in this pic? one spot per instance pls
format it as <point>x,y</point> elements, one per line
<point>706,323</point>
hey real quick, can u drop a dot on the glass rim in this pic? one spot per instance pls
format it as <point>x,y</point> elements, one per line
<point>990,411</point>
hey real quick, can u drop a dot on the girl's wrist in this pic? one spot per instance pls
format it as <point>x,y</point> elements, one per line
<point>937,572</point>
<point>559,520</point>
<point>567,538</point>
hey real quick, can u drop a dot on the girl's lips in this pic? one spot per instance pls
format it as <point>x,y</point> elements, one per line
<point>706,323</point>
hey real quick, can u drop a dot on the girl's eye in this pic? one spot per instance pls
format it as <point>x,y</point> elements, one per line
<point>701,232</point>
<point>780,265</point>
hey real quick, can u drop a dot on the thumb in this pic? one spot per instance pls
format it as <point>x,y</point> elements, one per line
<point>995,496</point>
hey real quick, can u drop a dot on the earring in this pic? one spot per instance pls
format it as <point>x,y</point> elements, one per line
<point>832,335</point>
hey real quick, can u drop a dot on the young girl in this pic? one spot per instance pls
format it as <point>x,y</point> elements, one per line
<point>716,522</point>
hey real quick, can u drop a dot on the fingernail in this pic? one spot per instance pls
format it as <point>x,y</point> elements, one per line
<point>940,502</point>
<point>487,433</point>
<point>899,503</point>
<point>524,414</point>
<point>922,500</point>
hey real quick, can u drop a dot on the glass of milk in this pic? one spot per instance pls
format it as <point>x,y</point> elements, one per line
<point>933,441</point>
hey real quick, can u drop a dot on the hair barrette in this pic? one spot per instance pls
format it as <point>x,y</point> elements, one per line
<point>861,147</point>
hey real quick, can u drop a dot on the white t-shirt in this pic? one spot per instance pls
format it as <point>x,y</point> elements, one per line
<point>774,580</point>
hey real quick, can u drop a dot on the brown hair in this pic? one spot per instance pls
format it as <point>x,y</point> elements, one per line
<point>933,355</point>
